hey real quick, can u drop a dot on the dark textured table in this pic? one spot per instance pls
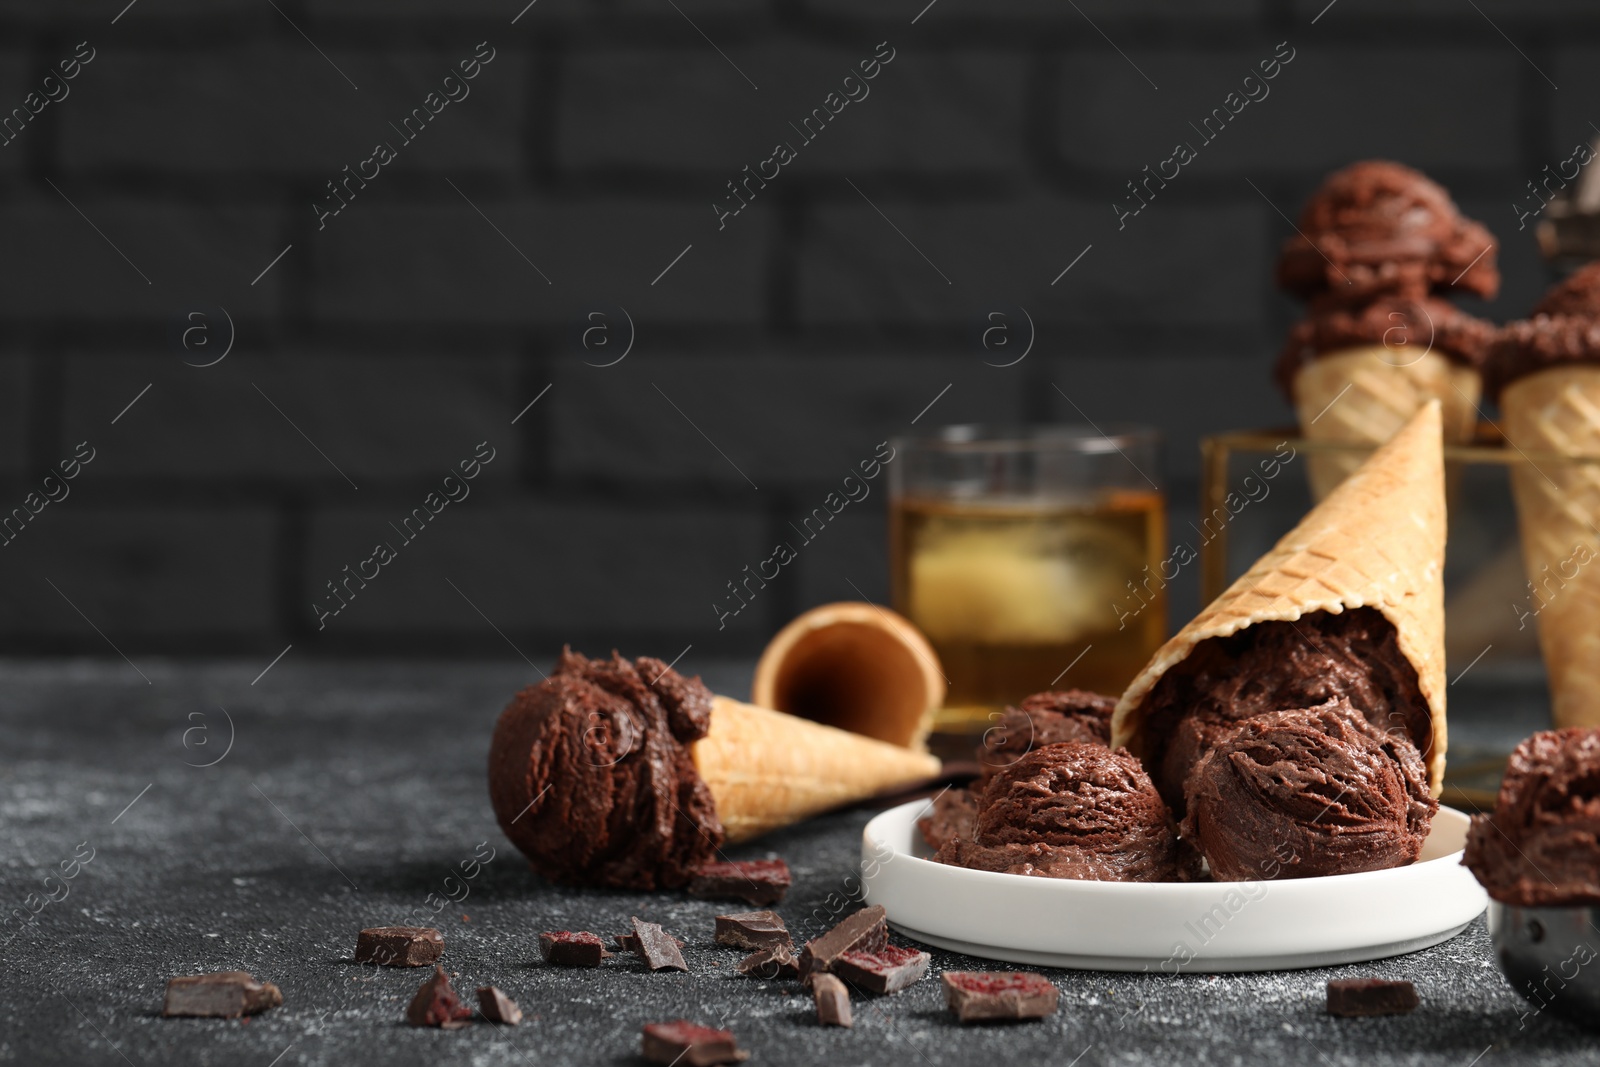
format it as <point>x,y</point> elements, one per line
<point>353,792</point>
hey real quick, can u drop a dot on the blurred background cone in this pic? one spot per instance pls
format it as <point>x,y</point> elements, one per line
<point>856,666</point>
<point>767,769</point>
<point>1558,510</point>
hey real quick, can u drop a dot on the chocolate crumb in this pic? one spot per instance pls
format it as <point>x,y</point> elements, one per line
<point>689,1044</point>
<point>1355,997</point>
<point>572,948</point>
<point>833,1001</point>
<point>999,996</point>
<point>399,946</point>
<point>220,995</point>
<point>752,929</point>
<point>759,882</point>
<point>436,1004</point>
<point>655,946</point>
<point>496,1007</point>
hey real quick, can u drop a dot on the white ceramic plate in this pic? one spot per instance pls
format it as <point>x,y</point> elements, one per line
<point>1172,927</point>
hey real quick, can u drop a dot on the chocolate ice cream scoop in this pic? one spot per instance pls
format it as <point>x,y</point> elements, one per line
<point>592,778</point>
<point>1073,810</point>
<point>1271,666</point>
<point>1308,792</point>
<point>1046,719</point>
<point>1378,226</point>
<point>1541,845</point>
<point>1564,330</point>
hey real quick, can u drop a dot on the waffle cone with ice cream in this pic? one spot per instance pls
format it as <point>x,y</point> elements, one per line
<point>1545,372</point>
<point>1377,247</point>
<point>624,773</point>
<point>1354,594</point>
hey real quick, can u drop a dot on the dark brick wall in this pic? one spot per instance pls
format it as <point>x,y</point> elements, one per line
<point>453,289</point>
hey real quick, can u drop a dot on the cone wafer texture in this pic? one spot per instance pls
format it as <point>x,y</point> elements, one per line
<point>1376,541</point>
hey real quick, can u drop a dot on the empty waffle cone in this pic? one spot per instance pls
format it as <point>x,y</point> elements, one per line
<point>1377,541</point>
<point>1558,509</point>
<point>1365,395</point>
<point>856,666</point>
<point>766,769</point>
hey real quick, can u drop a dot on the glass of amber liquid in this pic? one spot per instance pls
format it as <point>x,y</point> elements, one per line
<point>1030,557</point>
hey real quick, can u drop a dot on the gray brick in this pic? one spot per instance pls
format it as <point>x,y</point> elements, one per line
<point>187,251</point>
<point>378,261</point>
<point>188,575</point>
<point>1436,108</point>
<point>930,109</point>
<point>543,568</point>
<point>15,415</point>
<point>281,108</point>
<point>377,417</point>
<point>851,554</point>
<point>1185,395</point>
<point>780,419</point>
<point>15,75</point>
<point>1173,264</point>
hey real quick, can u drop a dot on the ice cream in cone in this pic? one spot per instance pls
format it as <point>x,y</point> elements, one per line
<point>624,773</point>
<point>1545,372</point>
<point>1377,247</point>
<point>1348,606</point>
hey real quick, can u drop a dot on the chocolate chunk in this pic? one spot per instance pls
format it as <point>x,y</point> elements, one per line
<point>752,930</point>
<point>864,931</point>
<point>888,970</point>
<point>1351,997</point>
<point>833,1001</point>
<point>399,946</point>
<point>770,962</point>
<point>630,942</point>
<point>223,995</point>
<point>655,946</point>
<point>436,1004</point>
<point>759,882</point>
<point>499,1008</point>
<point>998,996</point>
<point>572,948</point>
<point>689,1044</point>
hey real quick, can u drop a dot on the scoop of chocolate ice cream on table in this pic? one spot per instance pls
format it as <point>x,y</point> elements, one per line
<point>624,773</point>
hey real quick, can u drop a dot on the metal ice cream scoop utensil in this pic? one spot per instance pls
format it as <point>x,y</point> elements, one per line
<point>1552,957</point>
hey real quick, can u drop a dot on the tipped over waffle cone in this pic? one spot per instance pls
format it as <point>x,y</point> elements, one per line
<point>1377,541</point>
<point>857,666</point>
<point>1365,395</point>
<point>766,769</point>
<point>1558,509</point>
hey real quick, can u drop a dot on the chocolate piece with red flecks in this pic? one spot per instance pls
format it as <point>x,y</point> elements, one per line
<point>888,970</point>
<point>496,1007</point>
<point>655,946</point>
<point>999,996</point>
<point>833,1001</point>
<point>1353,997</point>
<point>223,995</point>
<point>572,948</point>
<point>436,1004</point>
<point>759,882</point>
<point>771,962</point>
<point>689,1044</point>
<point>752,930</point>
<point>399,946</point>
<point>864,931</point>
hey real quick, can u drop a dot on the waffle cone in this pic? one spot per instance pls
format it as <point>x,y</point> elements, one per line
<point>1364,396</point>
<point>1558,509</point>
<point>1377,541</point>
<point>766,769</point>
